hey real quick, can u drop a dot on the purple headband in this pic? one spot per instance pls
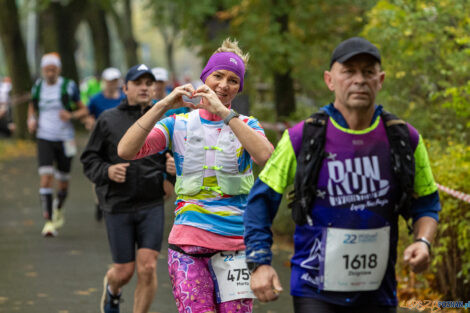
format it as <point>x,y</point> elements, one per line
<point>225,61</point>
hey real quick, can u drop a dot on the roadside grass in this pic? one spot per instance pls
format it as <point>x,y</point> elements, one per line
<point>11,149</point>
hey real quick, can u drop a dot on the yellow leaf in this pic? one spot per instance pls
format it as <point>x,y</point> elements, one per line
<point>74,252</point>
<point>31,274</point>
<point>29,222</point>
<point>400,74</point>
<point>82,292</point>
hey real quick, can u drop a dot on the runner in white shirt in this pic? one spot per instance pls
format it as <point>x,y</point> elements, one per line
<point>55,102</point>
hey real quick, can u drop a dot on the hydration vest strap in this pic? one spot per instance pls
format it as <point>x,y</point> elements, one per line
<point>64,96</point>
<point>213,167</point>
<point>216,189</point>
<point>36,92</point>
<point>403,163</point>
<point>213,148</point>
<point>309,163</point>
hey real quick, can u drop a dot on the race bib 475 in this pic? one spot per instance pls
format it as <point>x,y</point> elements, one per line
<point>231,276</point>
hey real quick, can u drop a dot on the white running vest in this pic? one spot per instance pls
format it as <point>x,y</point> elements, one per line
<point>230,181</point>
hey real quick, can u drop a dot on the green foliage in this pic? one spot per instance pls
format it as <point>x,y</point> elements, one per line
<point>458,98</point>
<point>451,263</point>
<point>165,15</point>
<point>314,29</point>
<point>195,19</point>
<point>449,275</point>
<point>425,48</point>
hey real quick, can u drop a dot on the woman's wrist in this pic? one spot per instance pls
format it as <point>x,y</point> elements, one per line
<point>163,105</point>
<point>223,112</point>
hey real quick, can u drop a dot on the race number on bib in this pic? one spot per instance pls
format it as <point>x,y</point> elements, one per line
<point>355,259</point>
<point>231,276</point>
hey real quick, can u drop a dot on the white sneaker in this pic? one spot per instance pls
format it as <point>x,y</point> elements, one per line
<point>58,218</point>
<point>49,230</point>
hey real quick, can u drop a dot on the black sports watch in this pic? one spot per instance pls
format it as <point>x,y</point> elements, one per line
<point>252,266</point>
<point>427,242</point>
<point>231,115</point>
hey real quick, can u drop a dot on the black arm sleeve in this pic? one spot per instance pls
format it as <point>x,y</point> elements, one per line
<point>170,178</point>
<point>94,159</point>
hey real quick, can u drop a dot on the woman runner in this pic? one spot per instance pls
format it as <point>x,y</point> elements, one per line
<point>214,148</point>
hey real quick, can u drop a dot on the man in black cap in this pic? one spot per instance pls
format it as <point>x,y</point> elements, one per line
<point>130,194</point>
<point>355,168</point>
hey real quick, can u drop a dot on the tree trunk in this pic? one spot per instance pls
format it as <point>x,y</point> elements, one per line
<point>169,42</point>
<point>284,93</point>
<point>58,25</point>
<point>126,35</point>
<point>96,17</point>
<point>17,64</point>
<point>48,31</point>
<point>216,29</point>
<point>67,44</point>
<point>130,43</point>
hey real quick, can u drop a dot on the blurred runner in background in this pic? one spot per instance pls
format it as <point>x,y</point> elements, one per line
<point>55,102</point>
<point>7,127</point>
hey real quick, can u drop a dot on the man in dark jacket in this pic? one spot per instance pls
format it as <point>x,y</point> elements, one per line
<point>130,194</point>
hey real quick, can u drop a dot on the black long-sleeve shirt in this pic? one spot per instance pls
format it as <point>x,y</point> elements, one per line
<point>143,187</point>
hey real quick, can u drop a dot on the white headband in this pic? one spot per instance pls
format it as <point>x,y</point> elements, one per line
<point>50,59</point>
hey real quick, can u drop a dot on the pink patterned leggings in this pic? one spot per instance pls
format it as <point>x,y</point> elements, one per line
<point>193,287</point>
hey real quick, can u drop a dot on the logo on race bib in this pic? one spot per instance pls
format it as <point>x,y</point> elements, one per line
<point>313,260</point>
<point>355,180</point>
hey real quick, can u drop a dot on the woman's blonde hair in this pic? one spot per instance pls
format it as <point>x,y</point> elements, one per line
<point>230,45</point>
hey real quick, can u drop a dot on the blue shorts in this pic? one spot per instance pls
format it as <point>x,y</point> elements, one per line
<point>128,231</point>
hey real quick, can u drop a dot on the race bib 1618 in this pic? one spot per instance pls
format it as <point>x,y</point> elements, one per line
<point>355,259</point>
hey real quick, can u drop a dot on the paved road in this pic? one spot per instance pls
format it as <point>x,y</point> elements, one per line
<point>64,274</point>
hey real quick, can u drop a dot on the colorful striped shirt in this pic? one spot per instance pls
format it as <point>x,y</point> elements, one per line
<point>218,216</point>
